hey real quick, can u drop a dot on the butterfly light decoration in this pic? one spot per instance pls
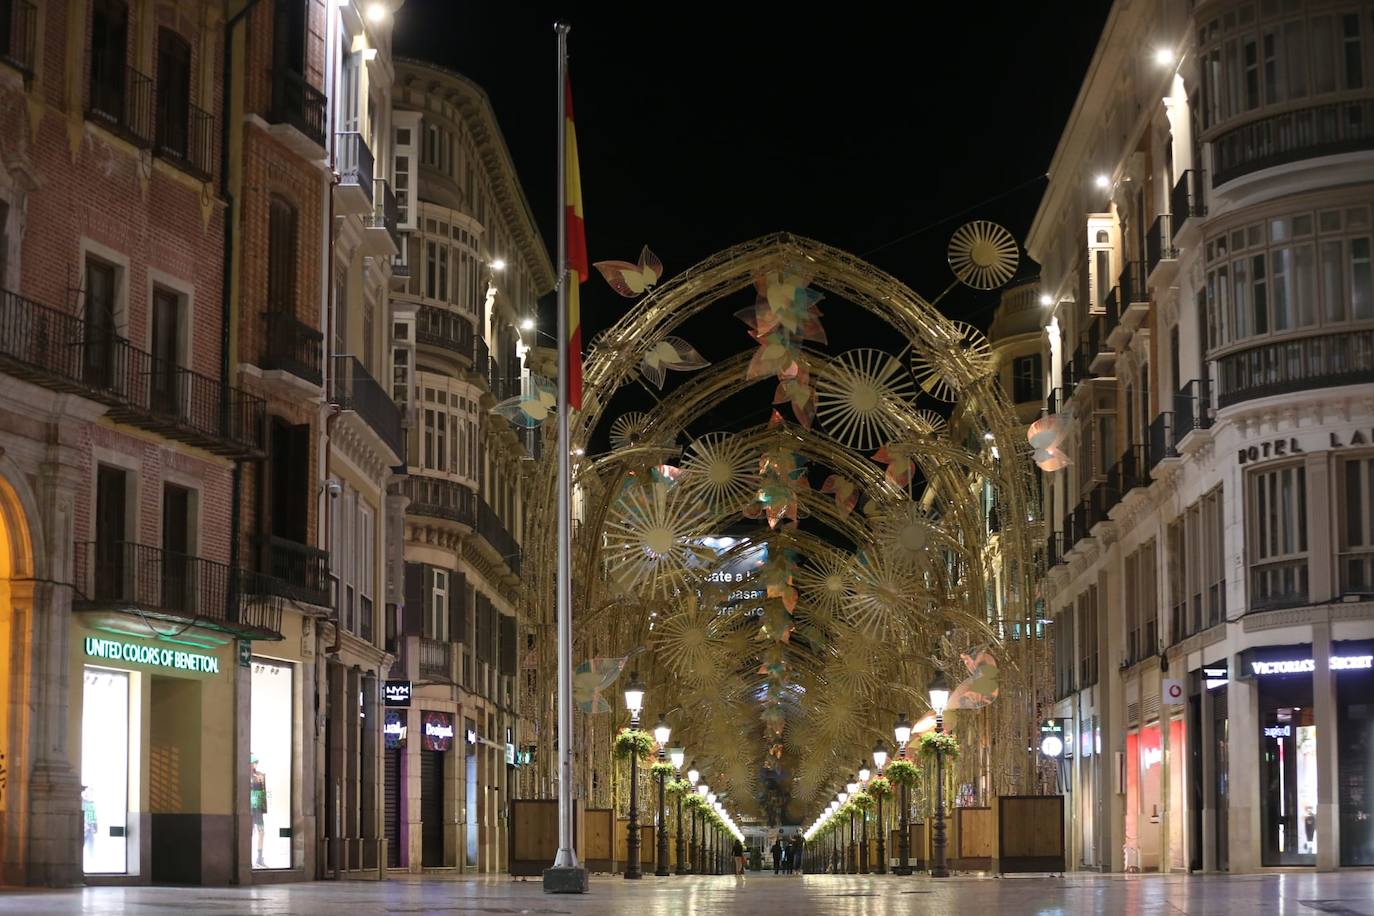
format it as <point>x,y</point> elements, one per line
<point>531,408</point>
<point>670,353</point>
<point>631,280</point>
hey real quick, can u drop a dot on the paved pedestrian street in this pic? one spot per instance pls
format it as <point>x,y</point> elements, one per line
<point>1291,894</point>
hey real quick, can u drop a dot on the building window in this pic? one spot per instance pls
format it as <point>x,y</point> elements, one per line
<point>1142,612</point>
<point>437,624</point>
<point>1278,537</point>
<point>173,93</point>
<point>1357,526</point>
<point>1087,650</point>
<point>109,55</point>
<point>1026,379</point>
<point>281,256</point>
<point>1064,653</point>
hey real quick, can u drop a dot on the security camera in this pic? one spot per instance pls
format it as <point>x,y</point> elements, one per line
<point>334,488</point>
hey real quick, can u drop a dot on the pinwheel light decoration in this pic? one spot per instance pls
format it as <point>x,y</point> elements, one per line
<point>850,397</point>
<point>653,539</point>
<point>532,407</point>
<point>721,470</point>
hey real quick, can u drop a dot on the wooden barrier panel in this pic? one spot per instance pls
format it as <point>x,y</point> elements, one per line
<point>916,856</point>
<point>1031,833</point>
<point>976,839</point>
<point>598,857</point>
<point>646,844</point>
<point>534,835</point>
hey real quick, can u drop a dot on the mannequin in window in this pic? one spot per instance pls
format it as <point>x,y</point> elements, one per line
<point>257,802</point>
<point>88,819</point>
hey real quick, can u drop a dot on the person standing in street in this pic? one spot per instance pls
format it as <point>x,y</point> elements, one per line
<point>777,856</point>
<point>737,850</point>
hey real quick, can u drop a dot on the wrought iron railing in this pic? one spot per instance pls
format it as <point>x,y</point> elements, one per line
<point>1323,130</point>
<point>493,530</point>
<point>62,352</point>
<point>1132,284</point>
<point>1129,471</point>
<point>294,570</point>
<point>436,659</point>
<point>1192,408</point>
<point>297,103</point>
<point>293,346</point>
<point>121,98</point>
<point>185,137</point>
<point>355,162</point>
<point>19,35</point>
<point>1303,364</point>
<point>119,575</point>
<point>1162,438</point>
<point>353,388</point>
<point>1159,243</point>
<point>1186,200</point>
<point>439,327</point>
<point>386,215</point>
<point>435,497</point>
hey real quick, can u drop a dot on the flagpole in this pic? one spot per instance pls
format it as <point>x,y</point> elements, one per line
<point>566,876</point>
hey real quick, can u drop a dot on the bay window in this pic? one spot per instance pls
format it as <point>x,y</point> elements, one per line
<point>1356,482</point>
<point>1277,509</point>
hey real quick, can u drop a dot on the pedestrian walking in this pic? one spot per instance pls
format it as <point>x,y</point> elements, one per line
<point>777,856</point>
<point>738,852</point>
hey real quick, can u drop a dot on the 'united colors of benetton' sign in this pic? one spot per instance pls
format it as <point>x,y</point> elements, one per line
<point>156,656</point>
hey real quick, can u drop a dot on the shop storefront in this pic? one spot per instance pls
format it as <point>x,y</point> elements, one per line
<point>271,766</point>
<point>394,734</point>
<point>156,723</point>
<point>436,743</point>
<point>1289,738</point>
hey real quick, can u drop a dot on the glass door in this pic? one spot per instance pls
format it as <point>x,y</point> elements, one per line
<point>1288,772</point>
<point>105,771</point>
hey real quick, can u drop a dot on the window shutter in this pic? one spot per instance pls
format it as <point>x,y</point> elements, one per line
<point>458,608</point>
<point>507,653</point>
<point>413,621</point>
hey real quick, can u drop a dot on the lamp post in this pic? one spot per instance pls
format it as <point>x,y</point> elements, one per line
<point>634,702</point>
<point>835,858</point>
<point>864,774</point>
<point>675,757</point>
<point>939,696</point>
<point>693,775</point>
<point>700,868</point>
<point>902,732</point>
<point>851,857</point>
<point>880,761</point>
<point>715,837</point>
<point>662,732</point>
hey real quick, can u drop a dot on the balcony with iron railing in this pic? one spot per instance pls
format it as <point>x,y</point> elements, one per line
<point>354,164</point>
<point>382,234</point>
<point>293,346</point>
<point>1302,364</point>
<point>1130,472</point>
<point>1162,439</point>
<point>1291,136</point>
<point>19,35</point>
<point>1098,350</point>
<point>152,583</point>
<point>438,498</point>
<point>1161,258</point>
<point>294,570</point>
<point>436,660</point>
<point>121,99</point>
<point>1187,205</point>
<point>493,530</point>
<point>1193,412</point>
<point>439,327</point>
<point>299,106</point>
<point>185,137</point>
<point>61,352</point>
<point>502,386</point>
<point>352,388</point>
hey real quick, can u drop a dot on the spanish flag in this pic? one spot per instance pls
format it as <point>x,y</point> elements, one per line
<point>576,249</point>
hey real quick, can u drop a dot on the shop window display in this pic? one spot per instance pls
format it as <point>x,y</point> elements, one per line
<point>1288,765</point>
<point>269,764</point>
<point>105,771</point>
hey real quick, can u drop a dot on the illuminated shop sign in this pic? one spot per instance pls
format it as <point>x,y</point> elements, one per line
<point>1307,665</point>
<point>437,731</point>
<point>1214,676</point>
<point>117,650</point>
<point>396,694</point>
<point>1278,731</point>
<point>394,730</point>
<point>1053,734</point>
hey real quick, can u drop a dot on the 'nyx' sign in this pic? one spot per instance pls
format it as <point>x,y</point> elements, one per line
<point>396,694</point>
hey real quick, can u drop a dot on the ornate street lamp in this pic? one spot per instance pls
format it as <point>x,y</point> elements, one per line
<point>702,790</point>
<point>634,702</point>
<point>864,774</point>
<point>880,761</point>
<point>662,732</point>
<point>902,732</point>
<point>675,757</point>
<point>715,837</point>
<point>939,696</point>
<point>693,775</point>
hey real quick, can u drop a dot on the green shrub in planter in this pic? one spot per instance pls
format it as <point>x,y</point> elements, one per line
<point>903,773</point>
<point>633,741</point>
<point>934,746</point>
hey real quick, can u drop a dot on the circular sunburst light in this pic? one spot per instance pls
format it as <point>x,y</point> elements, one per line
<point>721,470</point>
<point>826,581</point>
<point>960,344</point>
<point>983,255</point>
<point>884,594</point>
<point>651,539</point>
<point>904,533</point>
<point>628,430</point>
<point>850,396</point>
<point>688,642</point>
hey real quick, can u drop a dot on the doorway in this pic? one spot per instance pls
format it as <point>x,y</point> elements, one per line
<point>174,787</point>
<point>105,725</point>
<point>391,789</point>
<point>176,549</point>
<point>432,808</point>
<point>111,526</point>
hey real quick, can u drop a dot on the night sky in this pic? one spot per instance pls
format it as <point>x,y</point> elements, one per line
<point>701,126</point>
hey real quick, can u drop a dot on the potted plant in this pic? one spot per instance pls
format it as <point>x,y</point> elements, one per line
<point>935,746</point>
<point>633,741</point>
